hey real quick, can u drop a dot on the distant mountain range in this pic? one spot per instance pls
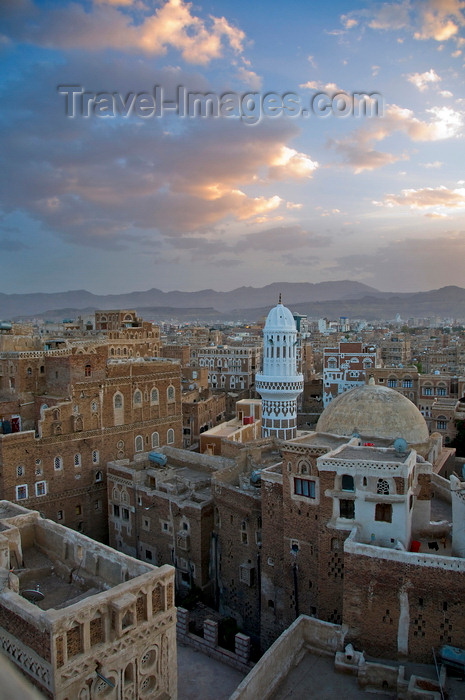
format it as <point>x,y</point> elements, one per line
<point>331,299</point>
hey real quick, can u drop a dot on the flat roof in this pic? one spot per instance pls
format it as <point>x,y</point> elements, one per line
<point>371,454</point>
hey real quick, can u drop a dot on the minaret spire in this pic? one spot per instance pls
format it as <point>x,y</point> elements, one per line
<point>280,382</point>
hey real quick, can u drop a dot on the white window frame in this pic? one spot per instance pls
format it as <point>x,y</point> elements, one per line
<point>39,483</point>
<point>22,498</point>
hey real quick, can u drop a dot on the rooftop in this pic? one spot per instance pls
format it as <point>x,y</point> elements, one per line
<point>371,454</point>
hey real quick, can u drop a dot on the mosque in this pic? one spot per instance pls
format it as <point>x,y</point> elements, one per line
<point>358,527</point>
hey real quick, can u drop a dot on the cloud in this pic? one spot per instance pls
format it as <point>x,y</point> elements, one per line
<point>126,182</point>
<point>422,80</point>
<point>427,197</point>
<point>281,238</point>
<point>250,78</point>
<point>289,163</point>
<point>440,20</point>
<point>357,149</point>
<point>108,25</point>
<point>328,88</point>
<point>391,16</point>
<point>348,22</point>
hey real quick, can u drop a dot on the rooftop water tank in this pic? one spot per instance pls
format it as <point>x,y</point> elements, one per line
<point>158,458</point>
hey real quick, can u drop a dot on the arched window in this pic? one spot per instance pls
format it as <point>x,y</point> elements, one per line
<point>155,440</point>
<point>58,463</point>
<point>441,423</point>
<point>170,436</point>
<point>118,400</point>
<point>347,482</point>
<point>170,393</point>
<point>20,471</point>
<point>139,443</point>
<point>98,476</point>
<point>77,460</point>
<point>95,457</point>
<point>29,371</point>
<point>94,406</point>
<point>137,397</point>
<point>88,371</point>
<point>56,414</point>
<point>154,396</point>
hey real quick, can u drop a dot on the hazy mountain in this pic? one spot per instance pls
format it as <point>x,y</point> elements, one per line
<point>326,299</point>
<point>14,305</point>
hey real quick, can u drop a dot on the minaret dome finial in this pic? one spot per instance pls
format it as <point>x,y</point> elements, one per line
<point>280,301</point>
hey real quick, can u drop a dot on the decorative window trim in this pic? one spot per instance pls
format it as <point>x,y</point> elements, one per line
<point>41,488</point>
<point>21,492</point>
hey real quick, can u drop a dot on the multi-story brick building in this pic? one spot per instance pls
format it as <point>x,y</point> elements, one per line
<point>69,412</point>
<point>245,427</point>
<point>346,367</point>
<point>81,620</point>
<point>436,395</point>
<point>201,411</point>
<point>162,512</point>
<point>395,350</point>
<point>229,368</point>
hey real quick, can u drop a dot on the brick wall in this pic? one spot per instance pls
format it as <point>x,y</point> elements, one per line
<point>372,606</point>
<point>26,633</point>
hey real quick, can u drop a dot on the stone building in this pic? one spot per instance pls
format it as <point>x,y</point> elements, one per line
<point>395,350</point>
<point>346,367</point>
<point>161,511</point>
<point>237,532</point>
<point>201,411</point>
<point>348,534</point>
<point>231,368</point>
<point>244,428</point>
<point>80,620</point>
<point>67,412</point>
<point>435,395</point>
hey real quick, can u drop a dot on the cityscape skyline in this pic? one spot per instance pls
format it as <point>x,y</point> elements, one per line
<point>117,203</point>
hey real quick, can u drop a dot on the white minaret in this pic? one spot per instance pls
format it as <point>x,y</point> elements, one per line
<point>280,383</point>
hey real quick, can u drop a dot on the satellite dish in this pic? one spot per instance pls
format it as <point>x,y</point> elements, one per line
<point>400,446</point>
<point>34,595</point>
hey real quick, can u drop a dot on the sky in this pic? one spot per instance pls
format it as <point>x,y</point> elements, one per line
<point>296,177</point>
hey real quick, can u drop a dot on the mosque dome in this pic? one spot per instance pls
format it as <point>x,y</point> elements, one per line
<point>279,319</point>
<point>375,411</point>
